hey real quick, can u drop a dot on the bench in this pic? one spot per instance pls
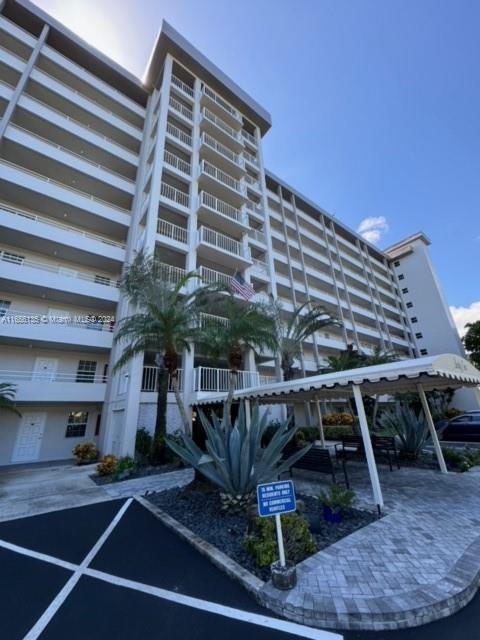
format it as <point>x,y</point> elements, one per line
<point>315,459</point>
<point>383,446</point>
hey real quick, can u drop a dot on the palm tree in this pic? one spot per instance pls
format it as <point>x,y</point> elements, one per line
<point>292,332</point>
<point>167,321</point>
<point>246,326</point>
<point>7,397</point>
<point>349,358</point>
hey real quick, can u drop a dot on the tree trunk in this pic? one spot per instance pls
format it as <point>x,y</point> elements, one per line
<point>158,444</point>
<point>227,408</point>
<point>181,407</point>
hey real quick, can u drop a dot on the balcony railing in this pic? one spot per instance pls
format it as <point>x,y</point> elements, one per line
<point>257,235</point>
<point>150,379</point>
<point>221,102</point>
<point>253,206</point>
<point>221,176</point>
<point>223,208</point>
<point>216,239</point>
<point>20,261</point>
<point>170,273</point>
<point>60,225</point>
<point>175,195</point>
<point>211,276</point>
<point>180,108</point>
<point>211,379</point>
<point>248,136</point>
<point>252,182</point>
<point>224,151</point>
<point>251,158</point>
<point>178,163</point>
<point>78,320</point>
<point>84,377</point>
<point>172,231</point>
<point>221,124</point>
<point>182,86</point>
<point>177,133</point>
<point>209,319</point>
<point>260,265</point>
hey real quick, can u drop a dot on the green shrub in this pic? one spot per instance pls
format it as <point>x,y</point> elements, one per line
<point>85,452</point>
<point>143,443</point>
<point>338,419</point>
<point>272,428</point>
<point>124,467</point>
<point>412,430</point>
<point>337,433</point>
<point>337,498</point>
<point>297,539</point>
<point>107,465</point>
<point>461,459</point>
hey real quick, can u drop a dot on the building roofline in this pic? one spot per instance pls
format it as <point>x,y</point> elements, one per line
<point>381,253</point>
<point>169,40</point>
<point>403,244</point>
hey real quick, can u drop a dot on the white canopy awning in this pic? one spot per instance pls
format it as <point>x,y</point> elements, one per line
<point>432,372</point>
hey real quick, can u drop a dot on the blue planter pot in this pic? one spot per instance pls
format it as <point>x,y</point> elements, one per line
<point>332,516</point>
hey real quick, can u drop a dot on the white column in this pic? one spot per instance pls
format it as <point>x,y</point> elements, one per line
<point>431,426</point>
<point>320,421</point>
<point>367,443</point>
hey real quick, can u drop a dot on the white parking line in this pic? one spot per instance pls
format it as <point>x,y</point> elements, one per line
<point>38,556</point>
<point>60,598</point>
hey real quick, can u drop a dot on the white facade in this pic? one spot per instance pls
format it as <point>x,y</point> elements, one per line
<point>95,165</point>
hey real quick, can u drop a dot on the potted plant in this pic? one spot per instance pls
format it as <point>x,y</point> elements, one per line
<point>85,453</point>
<point>335,501</point>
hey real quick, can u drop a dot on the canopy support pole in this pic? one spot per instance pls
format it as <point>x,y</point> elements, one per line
<point>320,421</point>
<point>248,415</point>
<point>367,443</point>
<point>431,427</point>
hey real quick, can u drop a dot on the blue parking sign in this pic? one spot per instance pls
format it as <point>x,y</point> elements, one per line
<point>275,498</point>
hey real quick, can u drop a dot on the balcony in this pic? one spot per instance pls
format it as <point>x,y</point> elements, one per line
<point>218,380</point>
<point>219,247</point>
<point>170,273</point>
<point>254,208</point>
<point>211,276</point>
<point>253,184</point>
<point>260,269</point>
<point>213,101</point>
<point>249,139</point>
<point>150,379</point>
<point>173,232</point>
<point>222,183</point>
<point>177,135</point>
<point>222,215</point>
<point>180,110</point>
<point>169,195</point>
<point>257,235</point>
<point>221,155</point>
<point>54,387</point>
<point>248,157</point>
<point>221,130</point>
<point>180,166</point>
<point>185,89</point>
<point>53,330</point>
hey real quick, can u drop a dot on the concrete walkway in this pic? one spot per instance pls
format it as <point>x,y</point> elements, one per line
<point>418,563</point>
<point>30,490</point>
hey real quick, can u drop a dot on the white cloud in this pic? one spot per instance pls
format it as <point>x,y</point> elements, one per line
<point>373,228</point>
<point>463,315</point>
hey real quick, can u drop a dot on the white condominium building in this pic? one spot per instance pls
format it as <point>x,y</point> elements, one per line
<point>96,165</point>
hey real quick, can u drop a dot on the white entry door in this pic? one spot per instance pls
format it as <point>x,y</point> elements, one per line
<point>45,369</point>
<point>117,431</point>
<point>29,438</point>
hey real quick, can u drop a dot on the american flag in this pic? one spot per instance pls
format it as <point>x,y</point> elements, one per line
<point>241,286</point>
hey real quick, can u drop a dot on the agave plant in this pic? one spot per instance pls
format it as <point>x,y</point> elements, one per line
<point>235,460</point>
<point>411,429</point>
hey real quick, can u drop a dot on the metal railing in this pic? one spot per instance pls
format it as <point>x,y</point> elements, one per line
<point>170,273</point>
<point>177,133</point>
<point>52,376</point>
<point>172,231</point>
<point>224,151</point>
<point>171,193</point>
<point>223,208</point>
<point>211,237</point>
<point>180,108</point>
<point>226,179</point>
<point>221,124</point>
<point>21,261</point>
<point>250,157</point>
<point>211,276</point>
<point>150,379</point>
<point>221,102</point>
<point>183,86</point>
<point>252,206</point>
<point>252,182</point>
<point>260,265</point>
<point>60,225</point>
<point>249,137</point>
<point>78,320</point>
<point>257,235</point>
<point>212,379</point>
<point>208,319</point>
<point>178,163</point>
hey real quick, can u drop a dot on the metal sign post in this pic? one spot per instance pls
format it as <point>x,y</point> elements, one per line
<point>281,550</point>
<point>275,498</point>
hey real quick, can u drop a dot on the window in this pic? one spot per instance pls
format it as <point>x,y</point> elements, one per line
<point>423,352</point>
<point>419,335</point>
<point>102,280</point>
<point>97,424</point>
<point>4,307</point>
<point>86,370</point>
<point>396,263</point>
<point>77,424</point>
<point>8,256</point>
<point>409,305</point>
<point>405,290</point>
<point>413,320</point>
<point>401,277</point>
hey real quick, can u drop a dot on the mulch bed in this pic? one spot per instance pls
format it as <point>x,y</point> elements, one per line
<point>140,472</point>
<point>199,510</point>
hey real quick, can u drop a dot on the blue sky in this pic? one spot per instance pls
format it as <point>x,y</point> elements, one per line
<point>375,104</point>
